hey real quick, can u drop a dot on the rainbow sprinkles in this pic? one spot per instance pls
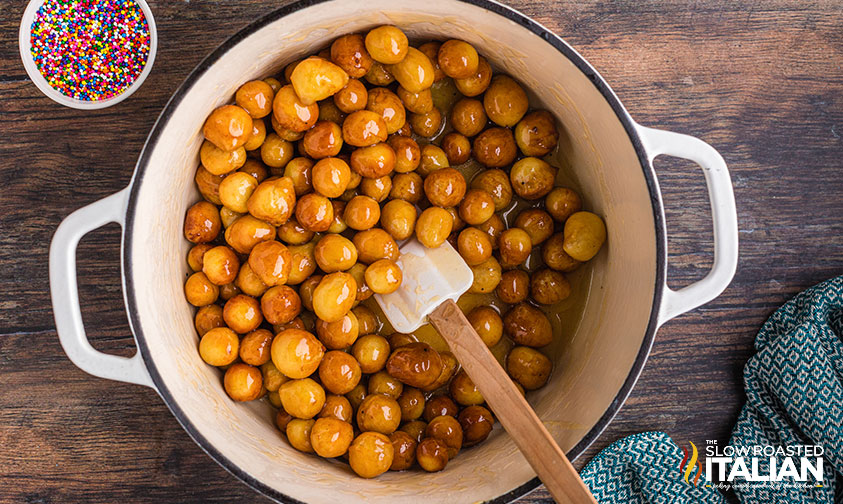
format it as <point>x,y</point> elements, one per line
<point>90,50</point>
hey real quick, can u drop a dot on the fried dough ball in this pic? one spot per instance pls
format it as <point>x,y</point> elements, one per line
<point>273,200</point>
<point>386,103</point>
<point>495,148</point>
<point>300,171</point>
<point>446,429</point>
<point>373,161</point>
<point>337,407</point>
<point>476,83</point>
<point>271,262</point>
<point>532,178</point>
<point>528,367</point>
<point>352,97</point>
<point>335,253</point>
<point>242,314</point>
<point>408,187</point>
<point>514,287</point>
<point>219,346</point>
<point>528,326</point>
<point>202,223</point>
<point>208,185</point>
<point>248,282</point>
<point>315,212</point>
<point>445,187</point>
<point>339,372</point>
<point>536,133</point>
<point>334,296</point>
<point>458,59</point>
<point>200,291</point>
<point>243,382</point>
<point>349,52</point>
<point>235,190</point>
<point>417,103</point>
<point>376,188</point>
<point>505,101</point>
<point>298,434</point>
<point>562,203</point>
<point>474,246</point>
<point>220,162</point>
<point>407,153</point>
<point>476,207</point>
<point>228,127</point>
<point>331,437</point>
<point>280,304</point>
<point>414,72</point>
<point>375,244</point>
<point>432,454</point>
<point>549,286</point>
<point>362,213</point>
<point>323,140</point>
<point>496,183</point>
<point>493,227</point>
<point>315,79</point>
<point>463,391</point>
<point>255,97</point>
<point>487,276</point>
<point>584,234</point>
<point>387,44</point>
<point>537,223</point>
<point>398,218</point>
<point>340,334</point>
<point>363,128</point>
<point>433,226</point>
<point>476,422</point>
<point>302,398</point>
<point>291,112</point>
<point>457,147</point>
<point>254,347</point>
<point>372,352</point>
<point>383,276</point>
<point>428,124</point>
<point>468,117</point>
<point>296,353</point>
<point>370,454</point>
<point>487,323</point>
<point>379,413</point>
<point>208,317</point>
<point>331,176</point>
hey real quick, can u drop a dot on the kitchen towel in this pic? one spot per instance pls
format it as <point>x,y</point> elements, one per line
<point>794,390</point>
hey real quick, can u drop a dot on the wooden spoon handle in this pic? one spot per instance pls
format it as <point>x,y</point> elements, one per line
<point>510,407</point>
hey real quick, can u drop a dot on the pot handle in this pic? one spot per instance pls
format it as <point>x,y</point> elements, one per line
<point>65,293</point>
<point>723,213</point>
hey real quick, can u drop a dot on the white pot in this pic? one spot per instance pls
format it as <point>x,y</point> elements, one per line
<point>594,372</point>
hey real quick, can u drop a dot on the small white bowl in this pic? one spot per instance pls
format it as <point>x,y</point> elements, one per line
<point>25,44</point>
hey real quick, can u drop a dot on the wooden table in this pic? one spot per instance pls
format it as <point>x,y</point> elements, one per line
<point>762,81</point>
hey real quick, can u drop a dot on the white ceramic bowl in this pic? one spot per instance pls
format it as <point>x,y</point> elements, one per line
<point>597,359</point>
<point>25,46</point>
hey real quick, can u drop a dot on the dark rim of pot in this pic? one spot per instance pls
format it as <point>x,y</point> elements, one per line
<point>512,15</point>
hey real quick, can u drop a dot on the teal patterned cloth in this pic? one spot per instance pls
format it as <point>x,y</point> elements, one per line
<point>794,390</point>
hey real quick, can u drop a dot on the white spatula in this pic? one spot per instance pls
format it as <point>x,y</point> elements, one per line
<point>433,280</point>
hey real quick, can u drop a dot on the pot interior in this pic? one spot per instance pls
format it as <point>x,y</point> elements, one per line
<point>597,345</point>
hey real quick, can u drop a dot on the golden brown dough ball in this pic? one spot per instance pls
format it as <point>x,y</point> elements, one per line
<point>398,218</point>
<point>339,372</point>
<point>337,407</point>
<point>457,147</point>
<point>228,216</point>
<point>302,398</point>
<point>315,79</point>
<point>228,291</point>
<point>200,291</point>
<point>387,44</point>
<point>315,212</point>
<point>487,323</point>
<point>349,52</point>
<point>415,72</point>
<point>372,352</point>
<point>514,287</point>
<point>495,148</point>
<point>331,177</point>
<point>407,153</point>
<point>323,140</point>
<point>329,112</point>
<point>376,188</point>
<point>382,383</point>
<point>291,112</point>
<point>296,353</point>
<point>208,317</point>
<point>555,257</point>
<point>445,187</point>
<point>383,276</point>
<point>208,185</point>
<point>496,183</point>
<point>276,152</point>
<point>375,244</point>
<point>300,170</point>
<point>257,137</point>
<point>487,276</point>
<point>219,346</point>
<point>468,117</point>
<point>272,378</point>
<point>373,161</point>
<point>463,391</point>
<point>417,103</point>
<point>384,102</point>
<point>303,263</point>
<point>404,450</point>
<point>254,347</point>
<point>428,124</point>
<point>433,158</point>
<point>306,291</point>
<point>356,396</point>
<point>537,223</point>
<point>458,59</point>
<point>446,429</point>
<point>411,401</point>
<point>432,454</point>
<point>331,437</point>
<point>474,246</point>
<point>549,286</point>
<point>379,75</point>
<point>218,161</point>
<point>515,246</point>
<point>528,367</point>
<point>273,200</point>
<point>363,128</point>
<point>536,133</point>
<point>334,296</point>
<point>274,83</point>
<point>439,406</point>
<point>532,178</point>
<point>476,207</point>
<point>476,423</point>
<point>431,50</point>
<point>286,133</point>
<point>298,434</point>
<point>493,227</point>
<point>416,364</point>
<point>433,226</point>
<point>370,454</point>
<point>335,253</point>
<point>340,334</point>
<point>248,282</point>
<point>415,429</point>
<point>408,187</point>
<point>477,82</point>
<point>242,313</point>
<point>228,127</point>
<point>368,322</point>
<point>505,101</point>
<point>338,225</point>
<point>352,97</point>
<point>280,304</point>
<point>379,413</point>
<point>271,262</point>
<point>255,97</point>
<point>584,234</point>
<point>362,213</point>
<point>562,202</point>
<point>358,271</point>
<point>449,368</point>
<point>202,223</point>
<point>220,265</point>
<point>235,190</point>
<point>243,382</point>
<point>528,326</point>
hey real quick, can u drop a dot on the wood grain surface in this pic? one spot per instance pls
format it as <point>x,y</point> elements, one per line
<point>761,80</point>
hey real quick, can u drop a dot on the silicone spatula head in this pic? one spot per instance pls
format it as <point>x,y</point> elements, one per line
<point>431,276</point>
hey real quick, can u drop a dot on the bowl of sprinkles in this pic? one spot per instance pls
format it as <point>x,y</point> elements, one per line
<point>88,54</point>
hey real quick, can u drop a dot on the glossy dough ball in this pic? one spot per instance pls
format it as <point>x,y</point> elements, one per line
<point>339,372</point>
<point>255,347</point>
<point>202,223</point>
<point>273,200</point>
<point>280,304</point>
<point>474,246</point>
<point>505,101</point>
<point>255,97</point>
<point>414,72</point>
<point>404,450</point>
<point>446,429</point>
<point>549,287</point>
<point>514,287</point>
<point>445,187</point>
<point>372,352</point>
<point>458,59</point>
<point>417,364</point>
<point>562,203</point>
<point>220,265</point>
<point>487,323</point>
<point>387,44</point>
<point>302,398</point>
<point>515,246</point>
<point>432,454</point>
<point>555,257</point>
<point>243,382</point>
<point>370,454</point>
<point>335,253</point>
<point>291,113</point>
<point>340,334</point>
<point>528,326</point>
<point>315,79</point>
<point>271,262</point>
<point>532,178</point>
<point>228,127</point>
<point>334,296</point>
<point>331,437</point>
<point>537,223</point>
<point>219,346</point>
<point>584,234</point>
<point>476,423</point>
<point>379,413</point>
<point>476,207</point>
<point>536,133</point>
<point>383,276</point>
<point>242,314</point>
<point>296,353</point>
<point>487,276</point>
<point>528,366</point>
<point>349,52</point>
